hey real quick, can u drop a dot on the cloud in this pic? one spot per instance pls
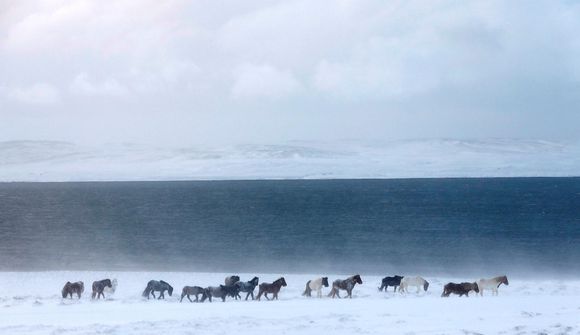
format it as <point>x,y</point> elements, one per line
<point>36,94</point>
<point>196,71</point>
<point>264,81</point>
<point>82,85</point>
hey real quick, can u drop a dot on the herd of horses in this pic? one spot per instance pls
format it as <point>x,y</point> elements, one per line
<point>233,286</point>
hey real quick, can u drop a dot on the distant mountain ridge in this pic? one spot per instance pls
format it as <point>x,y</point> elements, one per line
<point>64,161</point>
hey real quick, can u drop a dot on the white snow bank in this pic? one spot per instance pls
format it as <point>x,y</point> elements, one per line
<point>31,304</point>
<point>62,161</point>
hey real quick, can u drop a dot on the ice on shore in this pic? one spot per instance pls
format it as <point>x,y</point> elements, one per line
<point>31,304</point>
<point>63,161</point>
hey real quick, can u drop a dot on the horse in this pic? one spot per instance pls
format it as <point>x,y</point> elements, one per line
<point>194,290</point>
<point>390,281</point>
<point>113,288</point>
<point>231,280</point>
<point>221,291</point>
<point>273,288</point>
<point>70,288</point>
<point>247,287</point>
<point>492,284</point>
<point>461,289</point>
<point>99,287</point>
<point>413,281</point>
<point>160,286</point>
<point>315,284</point>
<point>346,284</point>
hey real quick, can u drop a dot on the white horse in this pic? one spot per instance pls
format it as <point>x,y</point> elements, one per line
<point>413,281</point>
<point>315,285</point>
<point>492,284</point>
<point>111,290</point>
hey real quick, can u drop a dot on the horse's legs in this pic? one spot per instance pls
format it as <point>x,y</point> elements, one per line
<point>349,293</point>
<point>161,295</point>
<point>153,294</point>
<point>266,295</point>
<point>319,292</point>
<point>78,293</point>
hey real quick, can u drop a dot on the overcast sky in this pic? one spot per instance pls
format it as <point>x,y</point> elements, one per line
<point>213,72</point>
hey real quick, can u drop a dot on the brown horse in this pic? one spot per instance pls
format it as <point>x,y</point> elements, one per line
<point>460,289</point>
<point>195,291</point>
<point>273,288</point>
<point>346,284</point>
<point>70,288</point>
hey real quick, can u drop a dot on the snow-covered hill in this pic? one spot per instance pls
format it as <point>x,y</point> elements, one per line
<point>63,161</point>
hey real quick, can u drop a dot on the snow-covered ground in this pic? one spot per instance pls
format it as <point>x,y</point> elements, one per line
<point>62,161</point>
<point>30,303</point>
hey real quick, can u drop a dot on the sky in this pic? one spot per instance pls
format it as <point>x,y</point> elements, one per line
<point>222,72</point>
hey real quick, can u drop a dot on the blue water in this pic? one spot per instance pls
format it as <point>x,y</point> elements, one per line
<point>427,226</point>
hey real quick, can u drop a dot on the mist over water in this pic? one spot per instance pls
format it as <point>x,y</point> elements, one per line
<point>426,226</point>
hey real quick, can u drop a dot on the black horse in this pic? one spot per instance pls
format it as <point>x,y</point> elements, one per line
<point>231,280</point>
<point>390,281</point>
<point>99,287</point>
<point>247,287</point>
<point>195,291</point>
<point>221,292</point>
<point>70,288</point>
<point>160,286</point>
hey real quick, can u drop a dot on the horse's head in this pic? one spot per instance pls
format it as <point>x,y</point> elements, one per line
<point>475,287</point>
<point>255,281</point>
<point>169,289</point>
<point>325,281</point>
<point>282,281</point>
<point>398,277</point>
<point>504,280</point>
<point>107,283</point>
<point>357,279</point>
<point>82,286</point>
<point>426,285</point>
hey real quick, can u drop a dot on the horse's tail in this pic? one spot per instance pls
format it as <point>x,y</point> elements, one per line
<point>64,289</point>
<point>332,291</point>
<point>147,291</point>
<point>307,291</point>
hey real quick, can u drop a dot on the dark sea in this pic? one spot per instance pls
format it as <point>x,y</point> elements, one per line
<point>469,226</point>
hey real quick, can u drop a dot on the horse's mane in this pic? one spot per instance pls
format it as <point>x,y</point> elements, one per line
<point>166,283</point>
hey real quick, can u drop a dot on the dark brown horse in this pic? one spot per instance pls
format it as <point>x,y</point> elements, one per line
<point>346,284</point>
<point>70,288</point>
<point>460,289</point>
<point>99,287</point>
<point>273,288</point>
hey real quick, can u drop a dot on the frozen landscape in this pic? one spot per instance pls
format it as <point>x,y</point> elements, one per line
<point>33,305</point>
<point>64,161</point>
